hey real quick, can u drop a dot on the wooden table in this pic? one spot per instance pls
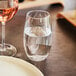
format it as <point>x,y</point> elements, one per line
<point>62,58</point>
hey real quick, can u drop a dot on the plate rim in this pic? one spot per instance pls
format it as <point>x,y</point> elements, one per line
<point>22,61</point>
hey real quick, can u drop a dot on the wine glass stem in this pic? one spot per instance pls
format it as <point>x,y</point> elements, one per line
<point>3,35</point>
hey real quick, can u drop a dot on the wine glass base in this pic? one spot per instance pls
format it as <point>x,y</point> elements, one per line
<point>9,50</point>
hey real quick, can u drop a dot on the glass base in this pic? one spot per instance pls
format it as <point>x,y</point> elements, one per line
<point>9,50</point>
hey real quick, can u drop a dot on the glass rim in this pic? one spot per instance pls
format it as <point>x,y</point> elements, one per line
<point>28,14</point>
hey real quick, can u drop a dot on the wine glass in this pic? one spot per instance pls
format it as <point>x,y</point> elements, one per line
<point>37,35</point>
<point>8,9</point>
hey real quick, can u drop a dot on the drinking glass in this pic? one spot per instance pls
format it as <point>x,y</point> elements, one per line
<point>37,35</point>
<point>8,9</point>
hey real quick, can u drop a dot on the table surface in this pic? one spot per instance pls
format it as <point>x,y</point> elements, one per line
<point>62,58</point>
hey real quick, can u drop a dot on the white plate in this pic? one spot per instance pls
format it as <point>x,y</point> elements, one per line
<point>10,66</point>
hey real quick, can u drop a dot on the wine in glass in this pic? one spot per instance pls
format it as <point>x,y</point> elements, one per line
<point>8,9</point>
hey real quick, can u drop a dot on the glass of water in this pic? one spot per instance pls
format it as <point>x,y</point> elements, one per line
<point>37,35</point>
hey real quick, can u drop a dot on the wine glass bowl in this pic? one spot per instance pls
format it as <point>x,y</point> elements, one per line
<point>8,9</point>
